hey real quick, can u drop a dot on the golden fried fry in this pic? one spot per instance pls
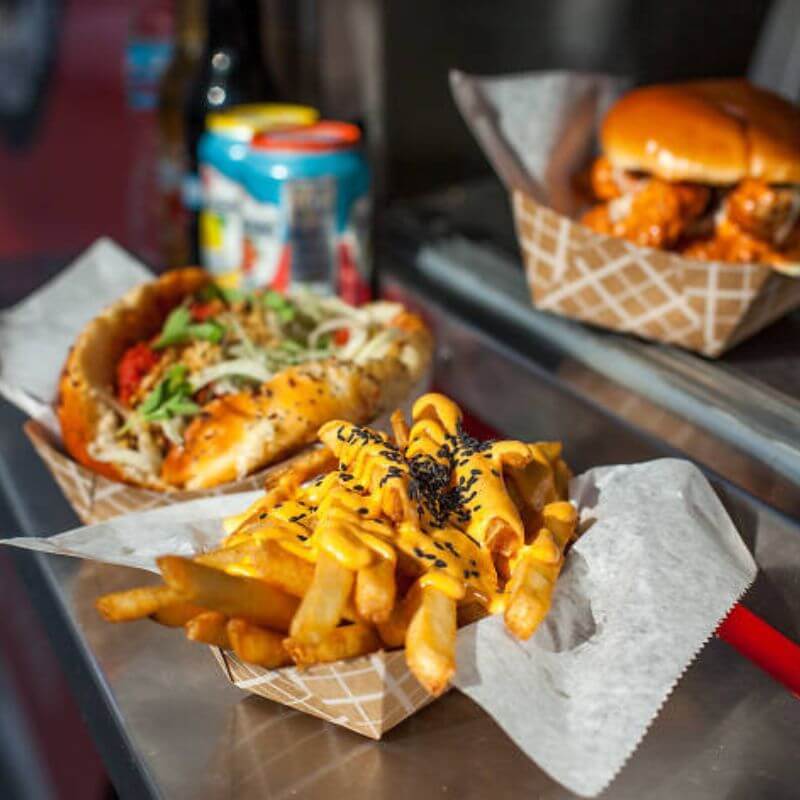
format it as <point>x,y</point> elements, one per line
<point>375,591</point>
<point>322,607</point>
<point>431,641</point>
<point>176,615</point>
<point>210,627</point>
<point>393,630</point>
<point>257,645</point>
<point>136,603</point>
<point>399,429</point>
<point>561,519</point>
<point>281,484</point>
<point>235,596</point>
<point>536,571</point>
<point>348,641</point>
<point>266,560</point>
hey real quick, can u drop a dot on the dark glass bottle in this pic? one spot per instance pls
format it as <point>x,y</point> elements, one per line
<point>232,70</point>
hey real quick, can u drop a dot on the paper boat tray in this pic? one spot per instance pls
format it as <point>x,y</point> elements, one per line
<point>703,306</point>
<point>369,695</point>
<point>95,498</point>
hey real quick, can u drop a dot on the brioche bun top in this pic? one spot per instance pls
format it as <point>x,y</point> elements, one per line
<point>711,131</point>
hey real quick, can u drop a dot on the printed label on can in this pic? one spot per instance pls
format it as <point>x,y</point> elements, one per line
<point>265,259</point>
<point>311,230</point>
<point>221,234</point>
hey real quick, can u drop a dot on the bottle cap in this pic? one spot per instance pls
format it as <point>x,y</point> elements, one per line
<point>244,121</point>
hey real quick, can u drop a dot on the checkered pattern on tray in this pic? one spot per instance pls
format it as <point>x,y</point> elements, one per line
<point>703,306</point>
<point>96,498</point>
<point>368,695</point>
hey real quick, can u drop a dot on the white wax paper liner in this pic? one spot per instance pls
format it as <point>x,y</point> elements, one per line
<point>36,334</point>
<point>643,589</point>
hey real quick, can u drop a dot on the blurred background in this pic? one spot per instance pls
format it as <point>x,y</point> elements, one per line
<point>101,106</point>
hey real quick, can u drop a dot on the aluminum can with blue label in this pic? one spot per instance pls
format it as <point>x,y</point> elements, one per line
<point>306,210</point>
<point>221,151</point>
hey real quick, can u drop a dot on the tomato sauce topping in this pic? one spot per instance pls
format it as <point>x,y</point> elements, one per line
<point>135,363</point>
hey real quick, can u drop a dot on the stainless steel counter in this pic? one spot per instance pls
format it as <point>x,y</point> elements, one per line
<point>168,724</point>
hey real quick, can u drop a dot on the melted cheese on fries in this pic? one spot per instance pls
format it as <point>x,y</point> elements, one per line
<point>442,505</point>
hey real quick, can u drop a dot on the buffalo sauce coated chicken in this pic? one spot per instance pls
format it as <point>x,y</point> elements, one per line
<point>647,211</point>
<point>752,221</point>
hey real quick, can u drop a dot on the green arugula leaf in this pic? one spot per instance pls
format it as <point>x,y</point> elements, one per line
<point>274,300</point>
<point>179,329</point>
<point>170,398</point>
<point>209,331</point>
<point>175,328</point>
<point>228,295</point>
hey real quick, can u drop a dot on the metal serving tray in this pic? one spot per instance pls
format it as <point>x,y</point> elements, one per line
<point>169,725</point>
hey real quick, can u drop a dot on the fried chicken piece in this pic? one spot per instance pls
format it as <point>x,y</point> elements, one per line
<point>609,182</point>
<point>655,216</point>
<point>731,244</point>
<point>762,211</point>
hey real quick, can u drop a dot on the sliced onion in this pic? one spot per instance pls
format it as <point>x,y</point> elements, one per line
<point>376,348</point>
<point>358,338</point>
<point>238,367</point>
<point>116,454</point>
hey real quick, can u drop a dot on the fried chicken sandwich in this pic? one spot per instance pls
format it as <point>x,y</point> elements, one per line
<point>709,169</point>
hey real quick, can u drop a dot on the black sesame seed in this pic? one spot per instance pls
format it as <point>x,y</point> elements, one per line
<point>440,563</point>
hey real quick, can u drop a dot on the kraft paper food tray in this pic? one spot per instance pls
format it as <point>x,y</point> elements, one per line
<point>539,130</point>
<point>369,695</point>
<point>95,498</point>
<point>35,337</point>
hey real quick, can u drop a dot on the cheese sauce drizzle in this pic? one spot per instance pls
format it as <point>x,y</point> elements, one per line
<point>443,503</point>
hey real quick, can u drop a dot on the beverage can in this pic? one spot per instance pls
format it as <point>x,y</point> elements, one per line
<point>221,151</point>
<point>306,210</point>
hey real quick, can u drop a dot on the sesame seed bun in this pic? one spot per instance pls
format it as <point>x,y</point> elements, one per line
<point>712,131</point>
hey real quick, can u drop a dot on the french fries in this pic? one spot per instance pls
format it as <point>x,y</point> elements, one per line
<point>431,640</point>
<point>373,542</point>
<point>265,560</point>
<point>393,630</point>
<point>176,615</point>
<point>257,645</point>
<point>347,641</point>
<point>210,627</point>
<point>375,591</point>
<point>136,603</point>
<point>235,596</point>
<point>324,602</point>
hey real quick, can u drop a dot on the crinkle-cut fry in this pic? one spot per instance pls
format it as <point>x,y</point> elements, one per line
<point>399,429</point>
<point>232,595</point>
<point>431,641</point>
<point>176,615</point>
<point>323,605</point>
<point>210,627</point>
<point>266,560</point>
<point>136,603</point>
<point>534,575</point>
<point>393,630</point>
<point>257,645</point>
<point>348,641</point>
<point>376,590</point>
